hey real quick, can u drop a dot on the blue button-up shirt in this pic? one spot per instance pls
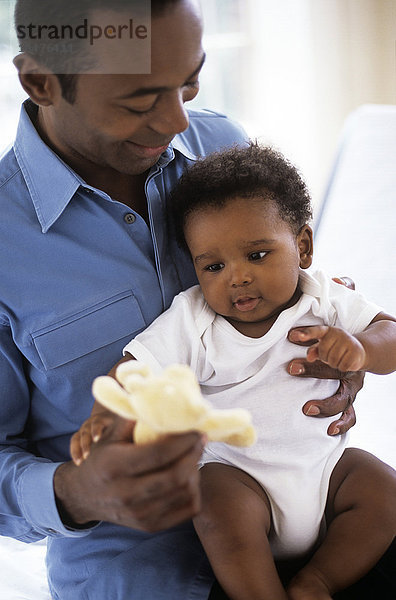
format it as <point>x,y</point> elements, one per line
<point>80,276</point>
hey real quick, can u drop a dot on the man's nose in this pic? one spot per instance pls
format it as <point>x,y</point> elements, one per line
<point>172,117</point>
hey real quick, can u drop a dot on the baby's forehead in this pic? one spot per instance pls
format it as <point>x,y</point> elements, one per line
<point>264,204</point>
<point>253,217</point>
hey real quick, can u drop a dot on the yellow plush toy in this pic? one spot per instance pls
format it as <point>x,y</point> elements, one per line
<point>170,402</point>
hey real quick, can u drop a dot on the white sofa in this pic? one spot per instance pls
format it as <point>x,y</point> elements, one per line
<point>355,235</point>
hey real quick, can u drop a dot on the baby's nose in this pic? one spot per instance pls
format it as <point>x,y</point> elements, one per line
<point>240,277</point>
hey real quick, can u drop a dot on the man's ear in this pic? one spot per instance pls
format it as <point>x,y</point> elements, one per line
<point>305,246</point>
<point>37,81</point>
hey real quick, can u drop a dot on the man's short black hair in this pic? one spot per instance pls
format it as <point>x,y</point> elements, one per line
<point>245,172</point>
<point>66,65</point>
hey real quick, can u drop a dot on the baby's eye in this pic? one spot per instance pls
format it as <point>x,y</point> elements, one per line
<point>214,268</point>
<point>257,255</point>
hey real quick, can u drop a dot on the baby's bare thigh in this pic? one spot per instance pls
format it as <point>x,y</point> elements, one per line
<point>359,479</point>
<point>229,488</point>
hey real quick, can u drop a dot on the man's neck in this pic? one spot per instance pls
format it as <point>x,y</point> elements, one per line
<point>128,189</point>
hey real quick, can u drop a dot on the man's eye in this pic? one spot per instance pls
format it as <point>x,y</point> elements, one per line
<point>257,255</point>
<point>214,268</point>
<point>140,112</point>
<point>143,105</point>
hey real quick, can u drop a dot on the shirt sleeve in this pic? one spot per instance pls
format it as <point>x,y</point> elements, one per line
<point>353,311</point>
<point>28,509</point>
<point>172,338</point>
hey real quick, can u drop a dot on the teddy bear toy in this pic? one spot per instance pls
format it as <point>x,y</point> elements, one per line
<point>169,402</point>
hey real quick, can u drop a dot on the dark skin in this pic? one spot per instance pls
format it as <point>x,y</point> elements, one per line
<point>111,136</point>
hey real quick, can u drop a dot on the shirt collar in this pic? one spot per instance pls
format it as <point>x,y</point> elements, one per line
<point>309,284</point>
<point>179,145</point>
<point>51,183</point>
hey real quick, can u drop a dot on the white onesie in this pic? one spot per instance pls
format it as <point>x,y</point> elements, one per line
<point>293,457</point>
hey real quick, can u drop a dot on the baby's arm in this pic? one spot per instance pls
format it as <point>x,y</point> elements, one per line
<point>374,349</point>
<point>92,429</point>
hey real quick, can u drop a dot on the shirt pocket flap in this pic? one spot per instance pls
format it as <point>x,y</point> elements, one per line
<point>95,327</point>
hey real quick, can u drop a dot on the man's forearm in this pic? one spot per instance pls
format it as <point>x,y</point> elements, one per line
<point>73,511</point>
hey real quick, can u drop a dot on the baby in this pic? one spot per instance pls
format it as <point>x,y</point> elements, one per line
<point>298,493</point>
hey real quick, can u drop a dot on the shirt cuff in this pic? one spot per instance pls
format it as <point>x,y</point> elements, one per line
<point>37,501</point>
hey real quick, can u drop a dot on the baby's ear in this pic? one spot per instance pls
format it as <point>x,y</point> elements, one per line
<point>305,246</point>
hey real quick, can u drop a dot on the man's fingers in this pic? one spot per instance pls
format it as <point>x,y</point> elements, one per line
<point>143,486</point>
<point>345,422</point>
<point>164,512</point>
<point>162,483</point>
<point>153,457</point>
<point>158,496</point>
<point>179,510</point>
<point>316,369</point>
<point>340,402</point>
<point>147,458</point>
<point>328,407</point>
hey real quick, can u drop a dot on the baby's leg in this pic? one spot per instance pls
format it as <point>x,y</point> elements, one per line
<point>233,527</point>
<point>361,517</point>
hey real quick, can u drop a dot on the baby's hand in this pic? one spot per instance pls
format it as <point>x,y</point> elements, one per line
<point>333,346</point>
<point>90,431</point>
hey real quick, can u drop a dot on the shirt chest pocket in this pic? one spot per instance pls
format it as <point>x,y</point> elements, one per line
<point>88,330</point>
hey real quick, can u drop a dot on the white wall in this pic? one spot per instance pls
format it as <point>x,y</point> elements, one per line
<point>314,61</point>
<point>289,70</point>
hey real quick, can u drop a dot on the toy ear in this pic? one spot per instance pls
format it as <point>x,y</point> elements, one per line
<point>144,434</point>
<point>108,392</point>
<point>305,246</point>
<point>232,426</point>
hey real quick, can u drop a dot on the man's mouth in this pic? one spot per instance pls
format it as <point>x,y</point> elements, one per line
<point>148,151</point>
<point>245,303</point>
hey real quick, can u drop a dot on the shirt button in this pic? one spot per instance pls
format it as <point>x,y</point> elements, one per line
<point>129,218</point>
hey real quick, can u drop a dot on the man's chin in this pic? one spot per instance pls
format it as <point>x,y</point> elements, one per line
<point>131,165</point>
<point>132,161</point>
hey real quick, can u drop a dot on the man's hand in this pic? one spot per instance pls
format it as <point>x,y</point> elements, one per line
<point>148,487</point>
<point>340,402</point>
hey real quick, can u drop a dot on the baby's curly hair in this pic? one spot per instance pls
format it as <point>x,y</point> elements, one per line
<point>246,172</point>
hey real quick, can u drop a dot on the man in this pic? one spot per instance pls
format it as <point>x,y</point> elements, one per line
<point>88,260</point>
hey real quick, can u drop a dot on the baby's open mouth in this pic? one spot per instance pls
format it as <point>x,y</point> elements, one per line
<point>246,303</point>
